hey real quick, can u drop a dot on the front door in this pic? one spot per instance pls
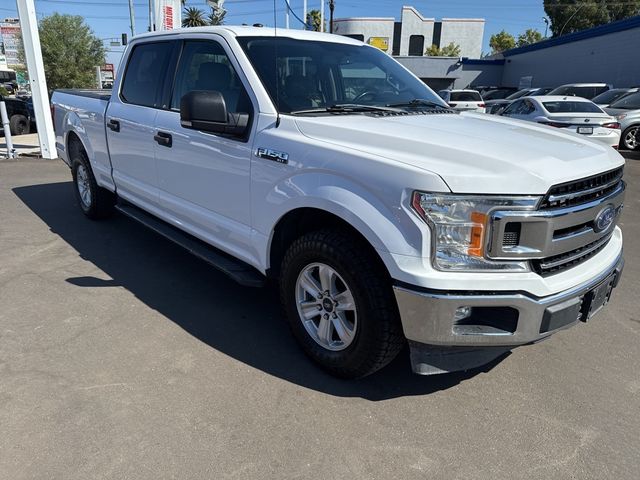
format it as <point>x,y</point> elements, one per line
<point>204,178</point>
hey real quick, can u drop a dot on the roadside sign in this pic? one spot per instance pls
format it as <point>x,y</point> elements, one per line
<point>380,42</point>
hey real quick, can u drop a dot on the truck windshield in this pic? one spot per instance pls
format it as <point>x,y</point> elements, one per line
<point>316,75</point>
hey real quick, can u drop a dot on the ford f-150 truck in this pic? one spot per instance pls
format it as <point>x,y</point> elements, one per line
<point>384,217</point>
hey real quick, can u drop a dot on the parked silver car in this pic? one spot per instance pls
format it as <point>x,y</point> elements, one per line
<point>627,112</point>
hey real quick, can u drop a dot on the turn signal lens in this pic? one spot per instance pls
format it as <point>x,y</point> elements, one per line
<point>476,247</point>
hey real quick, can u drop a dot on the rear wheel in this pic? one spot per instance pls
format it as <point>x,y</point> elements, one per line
<point>19,125</point>
<point>340,304</point>
<point>629,140</point>
<point>95,202</point>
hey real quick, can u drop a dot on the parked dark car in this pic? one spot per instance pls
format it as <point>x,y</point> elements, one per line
<point>496,107</point>
<point>19,116</point>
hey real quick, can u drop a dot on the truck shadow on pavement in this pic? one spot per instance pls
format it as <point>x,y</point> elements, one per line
<point>243,323</point>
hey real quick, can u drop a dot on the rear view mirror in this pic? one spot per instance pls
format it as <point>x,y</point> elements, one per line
<point>206,110</point>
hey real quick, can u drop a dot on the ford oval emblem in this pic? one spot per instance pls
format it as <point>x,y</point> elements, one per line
<point>604,219</point>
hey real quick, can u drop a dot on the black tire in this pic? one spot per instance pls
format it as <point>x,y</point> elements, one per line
<point>100,201</point>
<point>630,139</point>
<point>378,335</point>
<point>19,125</point>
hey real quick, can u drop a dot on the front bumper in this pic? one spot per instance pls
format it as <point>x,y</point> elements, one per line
<point>499,322</point>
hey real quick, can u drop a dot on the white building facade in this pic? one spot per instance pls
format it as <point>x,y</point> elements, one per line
<point>413,34</point>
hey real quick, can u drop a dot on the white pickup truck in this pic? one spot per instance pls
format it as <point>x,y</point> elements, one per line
<point>385,217</point>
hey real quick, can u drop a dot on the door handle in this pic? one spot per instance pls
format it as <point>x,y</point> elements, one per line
<point>114,125</point>
<point>164,139</point>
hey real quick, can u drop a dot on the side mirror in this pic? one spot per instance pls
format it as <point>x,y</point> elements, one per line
<point>206,110</point>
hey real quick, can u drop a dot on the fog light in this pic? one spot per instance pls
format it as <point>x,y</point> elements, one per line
<point>462,313</point>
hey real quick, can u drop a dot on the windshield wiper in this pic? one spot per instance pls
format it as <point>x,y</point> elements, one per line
<point>418,102</point>
<point>348,108</point>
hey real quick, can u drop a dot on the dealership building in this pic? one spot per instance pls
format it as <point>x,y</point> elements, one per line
<point>608,53</point>
<point>413,34</point>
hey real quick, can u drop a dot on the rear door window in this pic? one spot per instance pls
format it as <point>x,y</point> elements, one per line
<point>145,73</point>
<point>628,102</point>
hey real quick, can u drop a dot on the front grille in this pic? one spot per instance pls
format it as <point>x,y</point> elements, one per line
<point>582,191</point>
<point>558,263</point>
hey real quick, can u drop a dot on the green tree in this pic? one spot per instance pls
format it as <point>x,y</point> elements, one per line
<point>314,20</point>
<point>193,17</point>
<point>531,35</point>
<point>218,12</point>
<point>451,50</point>
<point>70,51</point>
<point>569,16</point>
<point>499,42</point>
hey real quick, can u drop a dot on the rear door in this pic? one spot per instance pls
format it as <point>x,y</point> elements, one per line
<point>130,122</point>
<point>204,178</point>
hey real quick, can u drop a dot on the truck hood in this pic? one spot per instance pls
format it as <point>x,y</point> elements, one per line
<point>472,153</point>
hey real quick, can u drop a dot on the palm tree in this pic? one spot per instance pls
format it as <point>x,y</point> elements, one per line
<point>193,17</point>
<point>218,12</point>
<point>314,20</point>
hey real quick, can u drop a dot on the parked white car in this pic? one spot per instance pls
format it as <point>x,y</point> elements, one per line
<point>463,100</point>
<point>575,114</point>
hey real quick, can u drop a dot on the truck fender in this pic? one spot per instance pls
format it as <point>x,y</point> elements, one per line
<point>384,224</point>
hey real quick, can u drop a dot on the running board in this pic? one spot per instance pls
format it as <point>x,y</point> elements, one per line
<point>239,271</point>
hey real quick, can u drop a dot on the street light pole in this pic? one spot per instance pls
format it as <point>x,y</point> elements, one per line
<point>332,6</point>
<point>37,80</point>
<point>132,20</point>
<point>322,15</point>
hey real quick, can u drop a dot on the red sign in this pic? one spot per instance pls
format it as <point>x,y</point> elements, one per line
<point>168,17</point>
<point>107,67</point>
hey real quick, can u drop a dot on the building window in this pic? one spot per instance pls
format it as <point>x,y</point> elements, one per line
<point>355,37</point>
<point>416,45</point>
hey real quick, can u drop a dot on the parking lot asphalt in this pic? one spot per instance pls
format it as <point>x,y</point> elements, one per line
<point>122,356</point>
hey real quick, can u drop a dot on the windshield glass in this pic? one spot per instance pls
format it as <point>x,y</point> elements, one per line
<point>571,107</point>
<point>608,97</point>
<point>628,102</point>
<point>518,94</point>
<point>465,97</point>
<point>311,75</point>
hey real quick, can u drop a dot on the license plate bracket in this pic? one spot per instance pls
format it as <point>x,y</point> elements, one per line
<point>597,298</point>
<point>585,130</point>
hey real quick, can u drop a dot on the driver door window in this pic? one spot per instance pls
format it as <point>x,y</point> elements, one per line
<point>204,65</point>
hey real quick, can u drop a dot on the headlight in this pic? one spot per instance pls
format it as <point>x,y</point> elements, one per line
<point>459,225</point>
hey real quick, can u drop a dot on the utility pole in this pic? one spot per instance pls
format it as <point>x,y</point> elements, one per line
<point>37,80</point>
<point>150,16</point>
<point>332,6</point>
<point>322,15</point>
<point>304,15</point>
<point>132,20</point>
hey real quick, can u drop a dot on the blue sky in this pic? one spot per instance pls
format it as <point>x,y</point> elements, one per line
<point>110,18</point>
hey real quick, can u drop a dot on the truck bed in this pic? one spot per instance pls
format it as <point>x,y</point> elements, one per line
<point>90,93</point>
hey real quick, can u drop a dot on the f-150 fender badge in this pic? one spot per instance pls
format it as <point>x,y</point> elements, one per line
<point>273,155</point>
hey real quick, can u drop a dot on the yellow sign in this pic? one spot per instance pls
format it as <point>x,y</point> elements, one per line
<point>380,42</point>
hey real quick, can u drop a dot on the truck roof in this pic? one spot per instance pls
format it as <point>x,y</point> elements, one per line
<point>246,31</point>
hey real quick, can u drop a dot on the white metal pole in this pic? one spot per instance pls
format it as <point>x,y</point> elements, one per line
<point>322,15</point>
<point>98,78</point>
<point>7,130</point>
<point>132,19</point>
<point>304,14</point>
<point>35,65</point>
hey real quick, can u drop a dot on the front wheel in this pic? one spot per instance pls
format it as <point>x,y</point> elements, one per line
<point>629,140</point>
<point>340,304</point>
